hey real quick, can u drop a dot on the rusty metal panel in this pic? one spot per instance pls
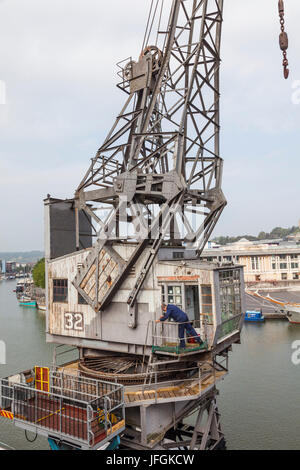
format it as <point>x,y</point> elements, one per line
<point>139,75</point>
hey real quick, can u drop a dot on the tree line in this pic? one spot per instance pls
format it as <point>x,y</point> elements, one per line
<point>277,232</point>
<point>38,274</point>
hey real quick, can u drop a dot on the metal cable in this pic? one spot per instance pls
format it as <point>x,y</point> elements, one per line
<point>159,22</point>
<point>33,440</point>
<point>151,27</point>
<point>148,21</point>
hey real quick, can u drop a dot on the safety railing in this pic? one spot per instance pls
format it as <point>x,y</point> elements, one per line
<point>228,327</point>
<point>76,409</point>
<point>6,396</point>
<point>180,338</point>
<point>188,382</point>
<point>173,337</point>
<point>124,73</point>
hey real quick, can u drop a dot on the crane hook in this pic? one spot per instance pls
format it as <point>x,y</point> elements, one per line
<point>283,40</point>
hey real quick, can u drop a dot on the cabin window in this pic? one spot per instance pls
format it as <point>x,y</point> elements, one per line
<point>206,300</point>
<point>230,293</point>
<point>174,295</point>
<point>60,290</point>
<point>178,255</point>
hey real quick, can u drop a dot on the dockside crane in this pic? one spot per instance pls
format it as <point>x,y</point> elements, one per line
<point>155,184</point>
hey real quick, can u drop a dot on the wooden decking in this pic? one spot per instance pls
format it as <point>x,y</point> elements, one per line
<point>186,390</point>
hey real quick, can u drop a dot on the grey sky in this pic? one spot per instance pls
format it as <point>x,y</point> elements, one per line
<point>58,62</point>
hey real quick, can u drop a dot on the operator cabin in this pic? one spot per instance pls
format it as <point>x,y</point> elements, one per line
<point>211,295</point>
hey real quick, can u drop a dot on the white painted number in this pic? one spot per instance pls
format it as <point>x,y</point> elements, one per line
<point>78,321</point>
<point>74,321</point>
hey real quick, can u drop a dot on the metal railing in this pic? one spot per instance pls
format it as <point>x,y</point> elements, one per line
<point>124,73</point>
<point>76,409</point>
<point>228,327</point>
<point>166,336</point>
<point>193,382</point>
<point>6,394</point>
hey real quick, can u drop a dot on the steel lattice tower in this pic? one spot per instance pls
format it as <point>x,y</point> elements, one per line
<point>159,167</point>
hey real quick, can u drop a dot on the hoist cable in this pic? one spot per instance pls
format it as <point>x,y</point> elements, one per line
<point>153,18</point>
<point>148,22</point>
<point>159,22</point>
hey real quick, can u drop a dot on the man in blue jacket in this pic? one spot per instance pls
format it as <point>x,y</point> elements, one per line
<point>172,312</point>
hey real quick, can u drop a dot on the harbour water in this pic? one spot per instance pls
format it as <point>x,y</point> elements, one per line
<point>259,400</point>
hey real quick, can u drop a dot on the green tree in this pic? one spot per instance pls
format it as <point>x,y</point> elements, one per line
<point>38,273</point>
<point>277,232</point>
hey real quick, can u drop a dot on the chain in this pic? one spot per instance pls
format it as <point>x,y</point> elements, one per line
<point>283,40</point>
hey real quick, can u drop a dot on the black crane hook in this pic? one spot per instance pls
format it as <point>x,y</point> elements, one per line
<point>283,40</point>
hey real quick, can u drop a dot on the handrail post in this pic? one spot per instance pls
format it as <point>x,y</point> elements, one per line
<point>13,400</point>
<point>60,415</point>
<point>105,414</point>
<point>89,416</point>
<point>35,406</point>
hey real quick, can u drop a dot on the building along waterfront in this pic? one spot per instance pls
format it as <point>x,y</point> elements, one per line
<point>273,263</point>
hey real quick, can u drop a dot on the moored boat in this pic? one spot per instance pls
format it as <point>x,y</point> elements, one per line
<point>254,316</point>
<point>27,302</point>
<point>41,307</point>
<point>293,314</point>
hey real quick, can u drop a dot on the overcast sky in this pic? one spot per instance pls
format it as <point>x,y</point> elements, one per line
<point>58,63</point>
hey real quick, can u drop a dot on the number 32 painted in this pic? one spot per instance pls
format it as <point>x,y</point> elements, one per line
<point>74,321</point>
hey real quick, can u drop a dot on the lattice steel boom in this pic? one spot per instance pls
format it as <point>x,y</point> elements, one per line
<point>158,173</point>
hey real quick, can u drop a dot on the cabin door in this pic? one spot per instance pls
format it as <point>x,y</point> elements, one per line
<point>192,302</point>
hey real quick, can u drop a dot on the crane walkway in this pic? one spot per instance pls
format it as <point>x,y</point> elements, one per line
<point>162,393</point>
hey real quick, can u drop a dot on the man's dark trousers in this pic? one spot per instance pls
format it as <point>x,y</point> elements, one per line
<point>189,329</point>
